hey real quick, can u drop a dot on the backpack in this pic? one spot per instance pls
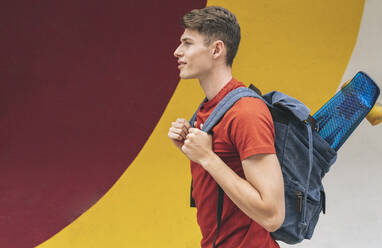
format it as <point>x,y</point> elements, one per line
<point>304,156</point>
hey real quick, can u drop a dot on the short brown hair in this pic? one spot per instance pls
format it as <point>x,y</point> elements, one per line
<point>216,23</point>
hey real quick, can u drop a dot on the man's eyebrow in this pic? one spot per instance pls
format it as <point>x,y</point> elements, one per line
<point>185,39</point>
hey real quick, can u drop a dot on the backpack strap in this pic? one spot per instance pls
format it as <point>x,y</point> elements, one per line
<point>192,200</point>
<point>192,121</point>
<point>193,118</point>
<point>219,212</point>
<point>225,104</point>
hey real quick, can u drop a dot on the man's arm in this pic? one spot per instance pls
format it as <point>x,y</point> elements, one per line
<point>260,197</point>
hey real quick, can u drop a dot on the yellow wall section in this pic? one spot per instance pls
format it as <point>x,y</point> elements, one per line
<point>298,47</point>
<point>148,206</point>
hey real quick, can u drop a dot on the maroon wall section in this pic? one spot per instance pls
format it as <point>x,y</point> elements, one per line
<point>82,85</point>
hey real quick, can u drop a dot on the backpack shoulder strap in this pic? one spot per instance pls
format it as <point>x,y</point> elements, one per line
<point>219,212</point>
<point>193,118</point>
<point>225,104</point>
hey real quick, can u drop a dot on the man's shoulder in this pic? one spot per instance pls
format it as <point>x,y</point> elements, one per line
<point>249,105</point>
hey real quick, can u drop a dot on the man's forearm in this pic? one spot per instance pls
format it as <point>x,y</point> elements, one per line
<point>241,192</point>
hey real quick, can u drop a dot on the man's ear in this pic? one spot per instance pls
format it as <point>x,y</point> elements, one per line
<point>218,48</point>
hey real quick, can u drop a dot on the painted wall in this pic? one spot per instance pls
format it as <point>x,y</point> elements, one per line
<point>89,91</point>
<point>83,84</point>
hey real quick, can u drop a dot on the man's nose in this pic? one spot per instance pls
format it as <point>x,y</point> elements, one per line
<point>177,52</point>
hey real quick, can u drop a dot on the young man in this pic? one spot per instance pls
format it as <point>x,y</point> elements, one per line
<point>240,157</point>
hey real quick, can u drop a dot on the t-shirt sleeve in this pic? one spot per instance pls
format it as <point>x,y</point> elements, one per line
<point>251,128</point>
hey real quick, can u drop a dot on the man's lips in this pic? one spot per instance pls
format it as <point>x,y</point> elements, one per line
<point>181,64</point>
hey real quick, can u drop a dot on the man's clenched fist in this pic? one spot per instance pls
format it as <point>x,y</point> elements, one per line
<point>178,131</point>
<point>198,145</point>
<point>193,142</point>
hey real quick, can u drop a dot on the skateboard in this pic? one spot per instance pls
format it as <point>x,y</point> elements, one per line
<point>339,117</point>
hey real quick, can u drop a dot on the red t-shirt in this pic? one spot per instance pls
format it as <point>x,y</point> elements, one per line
<point>245,130</point>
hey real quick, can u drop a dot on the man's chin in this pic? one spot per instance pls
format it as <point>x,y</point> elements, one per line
<point>185,76</point>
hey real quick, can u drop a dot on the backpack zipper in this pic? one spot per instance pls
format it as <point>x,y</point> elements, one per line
<point>299,201</point>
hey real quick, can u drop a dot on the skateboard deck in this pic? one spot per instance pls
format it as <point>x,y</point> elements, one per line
<point>338,118</point>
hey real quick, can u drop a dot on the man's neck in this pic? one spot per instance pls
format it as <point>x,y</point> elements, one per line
<point>213,82</point>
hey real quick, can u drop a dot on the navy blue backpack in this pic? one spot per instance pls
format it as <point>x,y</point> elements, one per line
<point>304,157</point>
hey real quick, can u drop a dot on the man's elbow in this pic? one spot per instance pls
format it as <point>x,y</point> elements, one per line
<point>274,224</point>
<point>274,221</point>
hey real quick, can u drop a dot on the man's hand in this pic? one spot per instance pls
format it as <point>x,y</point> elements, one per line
<point>178,132</point>
<point>193,142</point>
<point>198,145</point>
